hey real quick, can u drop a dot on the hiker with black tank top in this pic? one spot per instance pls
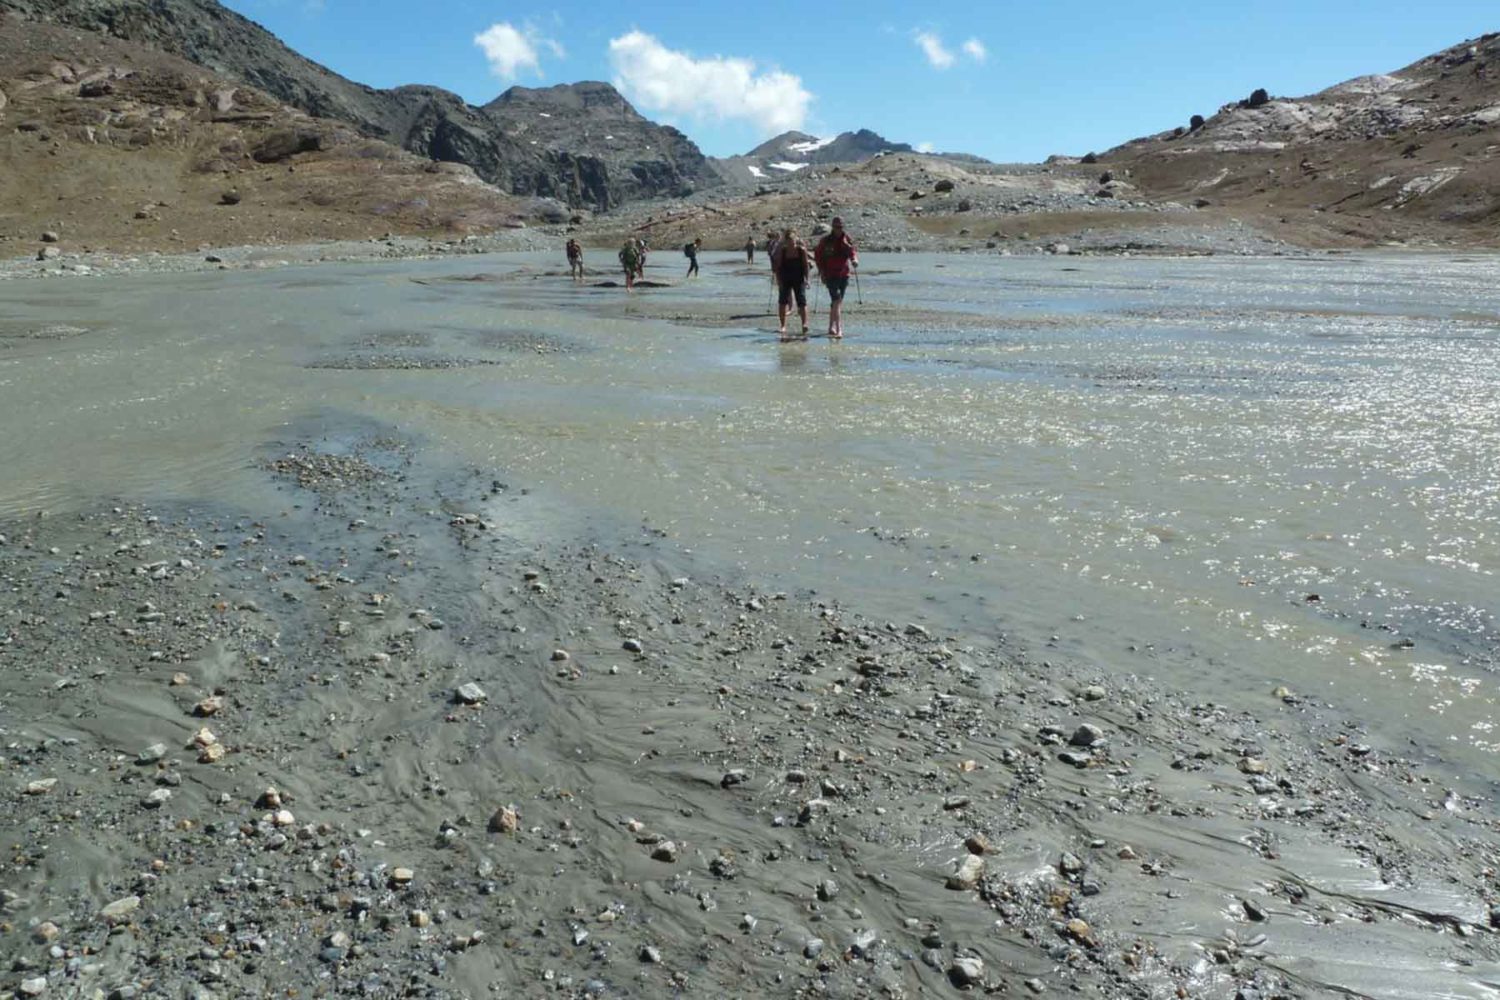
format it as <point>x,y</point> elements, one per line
<point>793,266</point>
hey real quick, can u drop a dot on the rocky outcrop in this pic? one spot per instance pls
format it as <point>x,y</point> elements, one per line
<point>581,143</point>
<point>1373,158</point>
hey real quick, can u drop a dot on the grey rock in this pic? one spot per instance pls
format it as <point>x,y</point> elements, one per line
<point>1087,735</point>
<point>470,694</point>
<point>966,971</point>
<point>812,948</point>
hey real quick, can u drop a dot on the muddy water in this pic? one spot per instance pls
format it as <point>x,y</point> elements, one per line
<point>1228,475</point>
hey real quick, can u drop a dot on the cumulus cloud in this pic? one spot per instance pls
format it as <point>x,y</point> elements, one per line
<point>975,50</point>
<point>670,82</point>
<point>932,47</point>
<point>510,50</point>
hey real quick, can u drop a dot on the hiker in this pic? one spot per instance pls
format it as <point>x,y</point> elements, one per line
<point>793,267</point>
<point>641,250</point>
<point>749,249</point>
<point>836,257</point>
<point>690,251</point>
<point>630,260</point>
<point>575,260</point>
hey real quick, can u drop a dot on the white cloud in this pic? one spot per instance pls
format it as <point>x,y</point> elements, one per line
<point>510,50</point>
<point>719,87</point>
<point>932,47</point>
<point>926,147</point>
<point>975,50</point>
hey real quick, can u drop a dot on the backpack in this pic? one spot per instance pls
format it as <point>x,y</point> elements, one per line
<point>688,250</point>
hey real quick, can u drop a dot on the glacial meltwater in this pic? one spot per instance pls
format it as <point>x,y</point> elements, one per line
<point>1228,474</point>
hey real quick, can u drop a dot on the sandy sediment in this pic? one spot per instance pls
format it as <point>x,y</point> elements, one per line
<point>372,744</point>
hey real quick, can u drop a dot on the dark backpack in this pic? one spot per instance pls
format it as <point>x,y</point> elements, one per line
<point>688,250</point>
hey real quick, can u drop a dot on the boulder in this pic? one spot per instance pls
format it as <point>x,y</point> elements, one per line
<point>1195,123</point>
<point>285,143</point>
<point>48,253</point>
<point>50,237</point>
<point>96,88</point>
<point>943,186</point>
<point>231,197</point>
<point>1258,98</point>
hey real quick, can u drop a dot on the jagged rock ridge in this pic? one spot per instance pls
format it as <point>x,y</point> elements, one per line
<point>643,159</point>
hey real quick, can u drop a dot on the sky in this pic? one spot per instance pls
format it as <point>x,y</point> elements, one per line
<point>1009,81</point>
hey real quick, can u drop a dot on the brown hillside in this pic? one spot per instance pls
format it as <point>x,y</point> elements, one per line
<point>112,145</point>
<point>1410,155</point>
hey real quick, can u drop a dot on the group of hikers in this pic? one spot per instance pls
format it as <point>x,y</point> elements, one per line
<point>833,257</point>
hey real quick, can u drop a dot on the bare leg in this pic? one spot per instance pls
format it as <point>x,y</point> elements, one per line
<point>836,318</point>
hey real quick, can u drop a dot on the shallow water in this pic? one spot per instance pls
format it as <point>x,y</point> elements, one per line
<point>1147,465</point>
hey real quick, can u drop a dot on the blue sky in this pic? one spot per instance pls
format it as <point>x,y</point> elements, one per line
<point>1010,81</point>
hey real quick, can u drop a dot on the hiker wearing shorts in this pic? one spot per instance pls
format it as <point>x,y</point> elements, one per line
<point>575,260</point>
<point>630,260</point>
<point>836,258</point>
<point>793,266</point>
<point>690,251</point>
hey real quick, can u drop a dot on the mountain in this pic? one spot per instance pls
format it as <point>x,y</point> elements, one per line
<point>643,160</point>
<point>793,151</point>
<point>107,143</point>
<point>1390,155</point>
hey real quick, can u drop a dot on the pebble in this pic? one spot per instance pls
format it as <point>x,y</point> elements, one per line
<point>735,777</point>
<point>402,876</point>
<point>632,646</point>
<point>33,987</point>
<point>156,798</point>
<point>650,955</point>
<point>419,918</point>
<point>1087,735</point>
<point>1070,864</point>
<point>1094,693</point>
<point>505,820</point>
<point>966,970</point>
<point>212,705</point>
<point>827,890</point>
<point>970,871</point>
<point>812,948</point>
<point>977,843</point>
<point>1252,765</point>
<point>212,754</point>
<point>152,754</point>
<point>41,787</point>
<point>560,655</point>
<point>665,851</point>
<point>120,909</point>
<point>45,932</point>
<point>470,694</point>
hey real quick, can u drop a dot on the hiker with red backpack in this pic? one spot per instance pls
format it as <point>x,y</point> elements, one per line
<point>836,258</point>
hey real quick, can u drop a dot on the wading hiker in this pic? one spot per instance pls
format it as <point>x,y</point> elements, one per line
<point>836,257</point>
<point>630,260</point>
<point>575,260</point>
<point>793,267</point>
<point>641,249</point>
<point>749,249</point>
<point>690,251</point>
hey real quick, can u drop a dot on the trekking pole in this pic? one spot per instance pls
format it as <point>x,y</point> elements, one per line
<point>858,292</point>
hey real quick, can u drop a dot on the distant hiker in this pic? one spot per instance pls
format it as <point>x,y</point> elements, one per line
<point>630,260</point>
<point>641,250</point>
<point>793,267</point>
<point>575,260</point>
<point>690,251</point>
<point>836,257</point>
<point>749,249</point>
